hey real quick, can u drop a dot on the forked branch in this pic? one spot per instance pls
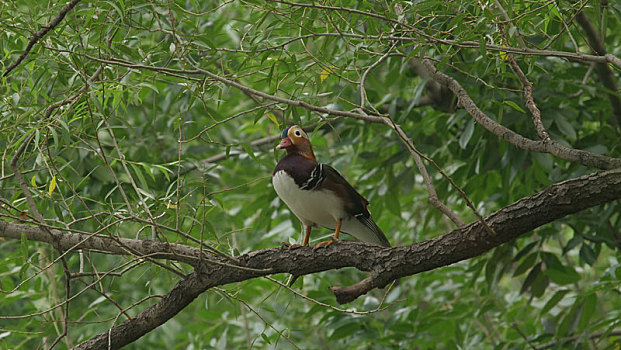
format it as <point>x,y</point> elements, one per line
<point>385,264</point>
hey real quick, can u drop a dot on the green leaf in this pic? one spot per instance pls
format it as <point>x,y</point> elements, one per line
<point>524,251</point>
<point>138,173</point>
<point>467,134</point>
<point>539,285</point>
<point>588,254</point>
<point>565,127</point>
<point>24,246</point>
<point>514,106</point>
<point>265,338</point>
<point>392,203</point>
<point>272,117</point>
<point>345,331</point>
<point>570,320</point>
<point>530,278</point>
<point>555,299</point>
<point>258,114</point>
<point>248,150</point>
<point>562,275</point>
<point>572,243</point>
<point>482,46</point>
<point>588,310</point>
<point>528,262</point>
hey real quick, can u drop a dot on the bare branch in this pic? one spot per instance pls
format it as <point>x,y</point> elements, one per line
<point>102,243</point>
<point>530,101</point>
<point>552,147</point>
<point>433,196</point>
<point>385,264</point>
<point>571,56</point>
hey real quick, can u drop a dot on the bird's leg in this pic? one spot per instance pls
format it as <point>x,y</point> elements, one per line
<point>307,231</point>
<point>332,239</point>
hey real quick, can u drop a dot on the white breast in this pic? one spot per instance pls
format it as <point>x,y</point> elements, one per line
<point>317,207</point>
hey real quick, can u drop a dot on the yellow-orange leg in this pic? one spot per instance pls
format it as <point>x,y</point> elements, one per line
<point>325,244</point>
<point>307,231</point>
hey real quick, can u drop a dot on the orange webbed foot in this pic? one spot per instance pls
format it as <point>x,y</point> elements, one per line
<point>290,246</point>
<point>324,244</point>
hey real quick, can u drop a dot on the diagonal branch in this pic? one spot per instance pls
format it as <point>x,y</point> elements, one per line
<point>573,155</point>
<point>606,75</point>
<point>507,224</point>
<point>529,100</point>
<point>255,143</point>
<point>40,34</point>
<point>551,146</point>
<point>384,264</point>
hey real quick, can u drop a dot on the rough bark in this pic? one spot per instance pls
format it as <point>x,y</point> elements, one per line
<point>102,243</point>
<point>384,264</point>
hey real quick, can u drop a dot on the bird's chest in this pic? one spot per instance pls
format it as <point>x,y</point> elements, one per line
<point>315,207</point>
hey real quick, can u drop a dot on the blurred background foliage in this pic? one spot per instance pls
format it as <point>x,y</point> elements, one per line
<point>128,132</point>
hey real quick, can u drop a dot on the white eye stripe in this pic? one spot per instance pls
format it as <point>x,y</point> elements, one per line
<point>298,133</point>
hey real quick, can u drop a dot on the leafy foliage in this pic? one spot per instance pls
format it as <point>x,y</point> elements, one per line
<point>127,136</point>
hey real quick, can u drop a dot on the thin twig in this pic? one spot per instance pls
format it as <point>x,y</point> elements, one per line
<point>65,314</point>
<point>515,326</point>
<point>574,338</point>
<point>554,148</point>
<point>256,143</point>
<point>40,34</point>
<point>433,196</point>
<point>529,100</point>
<point>315,301</point>
<point>572,56</point>
<point>258,315</point>
<point>607,77</point>
<point>508,19</point>
<point>54,307</point>
<point>363,91</point>
<point>551,147</point>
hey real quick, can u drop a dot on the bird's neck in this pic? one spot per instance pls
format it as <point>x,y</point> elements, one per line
<point>306,152</point>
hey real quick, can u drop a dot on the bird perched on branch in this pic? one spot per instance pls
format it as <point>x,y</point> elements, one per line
<point>318,195</point>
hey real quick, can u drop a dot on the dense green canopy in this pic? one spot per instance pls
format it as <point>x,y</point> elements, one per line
<point>127,122</point>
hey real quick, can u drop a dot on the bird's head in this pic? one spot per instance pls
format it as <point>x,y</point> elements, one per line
<point>295,141</point>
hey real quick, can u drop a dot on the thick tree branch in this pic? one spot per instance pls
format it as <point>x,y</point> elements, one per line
<point>102,243</point>
<point>385,264</point>
<point>106,244</point>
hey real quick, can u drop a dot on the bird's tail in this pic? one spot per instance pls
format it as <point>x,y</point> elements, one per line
<point>378,234</point>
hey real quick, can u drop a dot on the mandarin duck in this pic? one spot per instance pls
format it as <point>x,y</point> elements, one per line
<point>318,195</point>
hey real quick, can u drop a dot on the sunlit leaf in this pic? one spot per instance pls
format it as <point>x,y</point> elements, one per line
<point>325,73</point>
<point>272,117</point>
<point>52,185</point>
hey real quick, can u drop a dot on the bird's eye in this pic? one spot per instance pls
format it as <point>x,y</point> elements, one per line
<point>298,133</point>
